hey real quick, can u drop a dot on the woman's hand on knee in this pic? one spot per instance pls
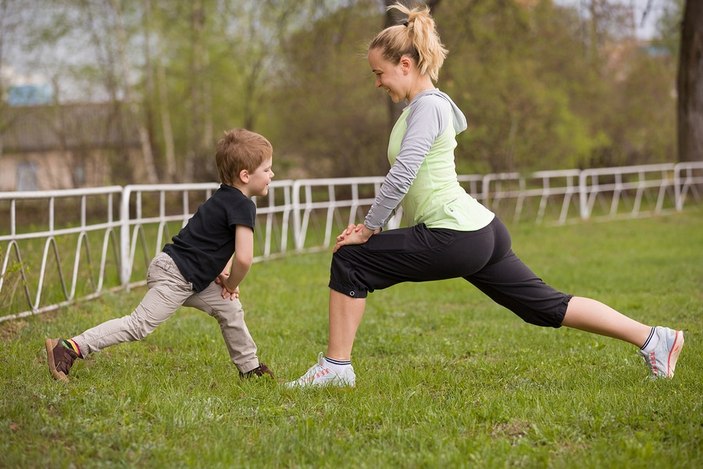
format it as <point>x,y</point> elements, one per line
<point>347,231</point>
<point>358,234</point>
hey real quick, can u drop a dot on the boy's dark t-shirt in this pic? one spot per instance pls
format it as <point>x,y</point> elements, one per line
<point>204,246</point>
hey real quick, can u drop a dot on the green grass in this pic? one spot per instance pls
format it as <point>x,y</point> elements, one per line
<point>445,377</point>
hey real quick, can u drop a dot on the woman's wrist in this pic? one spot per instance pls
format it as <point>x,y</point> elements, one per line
<point>368,232</point>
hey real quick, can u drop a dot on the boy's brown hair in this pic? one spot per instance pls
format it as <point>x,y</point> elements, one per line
<point>240,149</point>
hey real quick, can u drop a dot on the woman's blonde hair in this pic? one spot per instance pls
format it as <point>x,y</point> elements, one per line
<point>416,37</point>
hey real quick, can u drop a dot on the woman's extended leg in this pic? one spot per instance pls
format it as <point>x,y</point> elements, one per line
<point>593,316</point>
<point>659,346</point>
<point>509,282</point>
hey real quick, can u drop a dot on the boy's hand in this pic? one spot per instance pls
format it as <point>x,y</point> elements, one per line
<point>224,274</point>
<point>230,295</point>
<point>227,294</point>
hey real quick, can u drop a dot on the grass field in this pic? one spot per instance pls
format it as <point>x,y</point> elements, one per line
<point>445,378</point>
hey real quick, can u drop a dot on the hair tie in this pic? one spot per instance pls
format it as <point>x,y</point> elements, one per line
<point>405,23</point>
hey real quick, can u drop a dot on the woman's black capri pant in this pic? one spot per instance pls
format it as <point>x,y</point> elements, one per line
<point>417,254</point>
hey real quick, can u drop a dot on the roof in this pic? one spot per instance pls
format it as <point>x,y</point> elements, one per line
<point>65,126</point>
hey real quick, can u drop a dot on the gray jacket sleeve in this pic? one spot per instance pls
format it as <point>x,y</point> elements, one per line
<point>425,122</point>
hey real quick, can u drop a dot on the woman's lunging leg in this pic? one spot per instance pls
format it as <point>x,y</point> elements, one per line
<point>345,316</point>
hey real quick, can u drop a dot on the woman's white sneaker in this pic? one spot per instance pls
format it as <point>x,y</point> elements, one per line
<point>663,352</point>
<point>321,374</point>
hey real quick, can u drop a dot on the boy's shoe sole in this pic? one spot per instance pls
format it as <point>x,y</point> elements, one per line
<point>50,344</point>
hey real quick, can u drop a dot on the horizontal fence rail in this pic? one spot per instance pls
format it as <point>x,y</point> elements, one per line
<point>167,207</point>
<point>45,240</point>
<point>114,232</point>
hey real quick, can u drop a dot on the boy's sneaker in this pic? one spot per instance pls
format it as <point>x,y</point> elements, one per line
<point>60,358</point>
<point>322,375</point>
<point>662,358</point>
<point>260,370</point>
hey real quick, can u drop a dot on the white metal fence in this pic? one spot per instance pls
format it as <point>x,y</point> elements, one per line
<point>130,224</point>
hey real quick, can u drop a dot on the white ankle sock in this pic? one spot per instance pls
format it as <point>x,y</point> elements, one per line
<point>336,365</point>
<point>651,341</point>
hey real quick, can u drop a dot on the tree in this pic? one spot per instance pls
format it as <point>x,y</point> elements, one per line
<point>332,120</point>
<point>252,33</point>
<point>8,22</point>
<point>690,84</point>
<point>200,125</point>
<point>536,80</point>
<point>521,94</point>
<point>156,99</point>
<point>133,107</point>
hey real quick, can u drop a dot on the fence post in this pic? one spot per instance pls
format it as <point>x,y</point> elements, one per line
<point>125,267</point>
<point>678,196</point>
<point>583,195</point>
<point>296,215</point>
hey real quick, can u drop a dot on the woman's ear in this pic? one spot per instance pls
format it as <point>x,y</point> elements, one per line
<point>406,63</point>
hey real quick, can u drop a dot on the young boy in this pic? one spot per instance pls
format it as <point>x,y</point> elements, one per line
<point>202,268</point>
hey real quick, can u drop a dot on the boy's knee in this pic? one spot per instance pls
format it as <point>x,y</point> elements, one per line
<point>230,311</point>
<point>140,328</point>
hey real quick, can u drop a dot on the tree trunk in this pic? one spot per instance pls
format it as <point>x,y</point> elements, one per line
<point>195,124</point>
<point>120,169</point>
<point>249,92</point>
<point>132,105</point>
<point>3,14</point>
<point>206,140</point>
<point>149,79</point>
<point>166,127</point>
<point>690,84</point>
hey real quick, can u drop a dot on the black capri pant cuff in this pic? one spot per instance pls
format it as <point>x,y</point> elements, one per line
<point>348,291</point>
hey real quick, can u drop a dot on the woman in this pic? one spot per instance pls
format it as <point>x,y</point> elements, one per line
<point>452,235</point>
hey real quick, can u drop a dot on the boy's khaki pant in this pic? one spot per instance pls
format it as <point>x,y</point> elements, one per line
<point>168,290</point>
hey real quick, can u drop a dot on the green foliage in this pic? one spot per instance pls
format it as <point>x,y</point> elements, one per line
<point>11,278</point>
<point>542,88</point>
<point>648,83</point>
<point>535,96</point>
<point>445,377</point>
<point>332,122</point>
<point>669,26</point>
<point>538,100</point>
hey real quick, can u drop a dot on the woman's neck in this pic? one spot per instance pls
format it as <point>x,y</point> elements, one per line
<point>423,83</point>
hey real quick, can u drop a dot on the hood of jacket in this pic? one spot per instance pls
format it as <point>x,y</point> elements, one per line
<point>460,123</point>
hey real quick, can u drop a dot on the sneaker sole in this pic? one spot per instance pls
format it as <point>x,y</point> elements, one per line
<point>674,354</point>
<point>339,383</point>
<point>50,344</point>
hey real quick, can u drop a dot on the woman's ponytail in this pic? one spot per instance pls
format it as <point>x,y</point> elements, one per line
<point>417,37</point>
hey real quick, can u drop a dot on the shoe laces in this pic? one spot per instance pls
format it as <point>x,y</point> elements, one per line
<point>653,363</point>
<point>64,358</point>
<point>315,371</point>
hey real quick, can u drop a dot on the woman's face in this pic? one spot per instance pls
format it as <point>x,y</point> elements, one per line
<point>394,78</point>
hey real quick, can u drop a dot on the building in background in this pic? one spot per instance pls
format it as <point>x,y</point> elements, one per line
<point>59,146</point>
